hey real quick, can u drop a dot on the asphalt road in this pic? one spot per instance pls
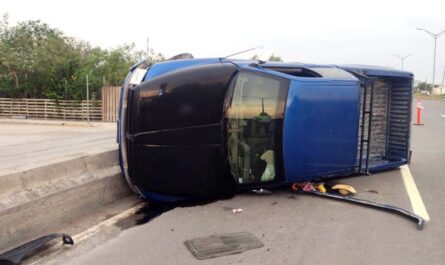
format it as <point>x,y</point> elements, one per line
<point>297,229</point>
<point>28,144</point>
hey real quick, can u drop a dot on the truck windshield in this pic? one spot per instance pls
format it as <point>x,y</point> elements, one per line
<point>254,124</point>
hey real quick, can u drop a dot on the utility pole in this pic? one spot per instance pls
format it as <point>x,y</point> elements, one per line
<point>402,58</point>
<point>435,37</point>
<point>148,50</point>
<point>88,100</point>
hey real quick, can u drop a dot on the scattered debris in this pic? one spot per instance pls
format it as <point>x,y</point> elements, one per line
<point>309,188</point>
<point>344,189</point>
<point>222,244</point>
<point>239,210</point>
<point>320,187</point>
<point>262,192</point>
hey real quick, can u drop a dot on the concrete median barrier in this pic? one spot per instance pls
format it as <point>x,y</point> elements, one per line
<point>45,199</point>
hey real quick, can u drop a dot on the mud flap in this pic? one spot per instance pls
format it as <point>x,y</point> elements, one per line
<point>16,255</point>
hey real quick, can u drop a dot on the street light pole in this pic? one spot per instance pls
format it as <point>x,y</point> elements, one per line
<point>442,88</point>
<point>148,50</point>
<point>435,37</point>
<point>88,100</point>
<point>402,58</point>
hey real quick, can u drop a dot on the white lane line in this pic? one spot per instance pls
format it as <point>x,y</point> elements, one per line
<point>413,193</point>
<point>109,222</point>
<point>442,115</point>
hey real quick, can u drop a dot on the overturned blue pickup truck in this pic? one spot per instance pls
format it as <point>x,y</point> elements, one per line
<point>208,128</point>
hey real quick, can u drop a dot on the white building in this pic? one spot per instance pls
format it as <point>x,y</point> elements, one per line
<point>439,90</point>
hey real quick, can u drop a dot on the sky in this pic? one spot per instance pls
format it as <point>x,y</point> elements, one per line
<point>332,32</point>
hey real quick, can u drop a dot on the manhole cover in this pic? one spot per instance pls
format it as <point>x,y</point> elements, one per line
<point>222,244</point>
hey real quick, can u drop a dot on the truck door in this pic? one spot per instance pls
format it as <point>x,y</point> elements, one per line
<point>321,126</point>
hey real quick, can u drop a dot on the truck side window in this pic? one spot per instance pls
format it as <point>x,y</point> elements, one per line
<point>253,117</point>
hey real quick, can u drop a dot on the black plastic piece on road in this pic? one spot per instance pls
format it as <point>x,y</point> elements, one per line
<point>416,218</point>
<point>16,255</point>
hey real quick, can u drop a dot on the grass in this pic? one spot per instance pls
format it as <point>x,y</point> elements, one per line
<point>423,96</point>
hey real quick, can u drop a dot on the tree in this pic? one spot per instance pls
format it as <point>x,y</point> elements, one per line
<point>423,86</point>
<point>255,57</point>
<point>274,58</point>
<point>155,57</point>
<point>39,61</point>
<point>29,56</point>
<point>118,61</point>
<point>4,22</point>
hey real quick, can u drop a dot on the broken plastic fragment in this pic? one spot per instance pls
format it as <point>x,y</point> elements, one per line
<point>237,210</point>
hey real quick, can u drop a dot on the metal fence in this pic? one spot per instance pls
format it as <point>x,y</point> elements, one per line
<point>110,103</point>
<point>31,108</point>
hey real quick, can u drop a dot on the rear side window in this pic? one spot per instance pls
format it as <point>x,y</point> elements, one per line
<point>254,127</point>
<point>257,96</point>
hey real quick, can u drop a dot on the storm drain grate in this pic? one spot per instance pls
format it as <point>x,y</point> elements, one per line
<point>222,244</point>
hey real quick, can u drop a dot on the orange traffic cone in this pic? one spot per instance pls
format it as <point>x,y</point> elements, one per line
<point>419,112</point>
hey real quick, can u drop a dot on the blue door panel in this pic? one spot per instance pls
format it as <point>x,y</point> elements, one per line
<point>321,128</point>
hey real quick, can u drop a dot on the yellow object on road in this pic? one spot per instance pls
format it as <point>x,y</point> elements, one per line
<point>320,187</point>
<point>344,189</point>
